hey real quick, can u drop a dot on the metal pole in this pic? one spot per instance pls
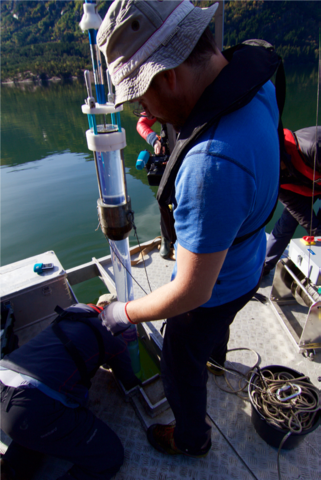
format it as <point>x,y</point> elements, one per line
<point>219,26</point>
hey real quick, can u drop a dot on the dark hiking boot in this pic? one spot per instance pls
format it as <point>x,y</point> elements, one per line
<point>165,248</point>
<point>161,437</point>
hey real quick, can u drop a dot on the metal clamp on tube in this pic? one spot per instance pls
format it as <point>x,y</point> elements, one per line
<point>115,220</point>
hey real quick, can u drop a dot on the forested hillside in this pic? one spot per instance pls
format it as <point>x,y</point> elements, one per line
<point>42,39</point>
<point>292,27</point>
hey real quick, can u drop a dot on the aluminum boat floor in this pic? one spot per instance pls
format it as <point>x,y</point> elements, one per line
<point>238,452</point>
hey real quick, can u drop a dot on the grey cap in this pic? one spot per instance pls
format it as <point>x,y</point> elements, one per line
<point>142,38</point>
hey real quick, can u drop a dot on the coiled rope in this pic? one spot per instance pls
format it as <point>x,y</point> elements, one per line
<point>286,402</point>
<point>293,416</point>
<point>244,378</point>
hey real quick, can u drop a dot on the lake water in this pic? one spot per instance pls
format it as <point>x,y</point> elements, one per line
<point>48,180</point>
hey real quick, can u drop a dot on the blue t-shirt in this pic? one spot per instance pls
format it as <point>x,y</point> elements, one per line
<point>226,187</point>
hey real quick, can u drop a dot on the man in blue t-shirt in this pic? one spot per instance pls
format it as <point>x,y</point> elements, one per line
<point>221,183</point>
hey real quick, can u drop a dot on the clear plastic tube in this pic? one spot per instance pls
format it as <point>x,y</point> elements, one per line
<point>112,186</point>
<point>112,189</point>
<point>111,177</point>
<point>120,258</point>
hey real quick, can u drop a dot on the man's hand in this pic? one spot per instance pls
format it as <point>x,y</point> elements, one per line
<point>157,147</point>
<point>114,317</point>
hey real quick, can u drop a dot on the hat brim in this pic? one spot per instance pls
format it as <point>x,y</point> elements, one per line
<point>166,57</point>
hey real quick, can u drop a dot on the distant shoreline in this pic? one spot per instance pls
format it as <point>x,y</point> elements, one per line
<point>36,80</point>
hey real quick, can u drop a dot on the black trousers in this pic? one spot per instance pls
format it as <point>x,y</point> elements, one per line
<point>297,211</point>
<point>40,423</point>
<point>189,341</point>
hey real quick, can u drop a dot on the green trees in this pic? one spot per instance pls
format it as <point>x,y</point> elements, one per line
<point>43,37</point>
<point>291,27</point>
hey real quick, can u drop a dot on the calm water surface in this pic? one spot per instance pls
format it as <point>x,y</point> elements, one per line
<point>48,180</point>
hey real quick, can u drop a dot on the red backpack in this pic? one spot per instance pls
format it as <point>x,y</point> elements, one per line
<point>302,158</point>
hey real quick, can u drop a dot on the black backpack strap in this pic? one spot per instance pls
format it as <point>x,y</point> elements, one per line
<point>99,339</point>
<point>241,239</point>
<point>280,92</point>
<point>280,80</point>
<point>73,352</point>
<point>61,312</point>
<point>71,348</point>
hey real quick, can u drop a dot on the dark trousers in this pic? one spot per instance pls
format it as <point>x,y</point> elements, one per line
<point>189,341</point>
<point>297,211</point>
<point>163,229</point>
<point>40,423</point>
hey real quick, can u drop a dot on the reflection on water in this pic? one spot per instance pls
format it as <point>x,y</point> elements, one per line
<point>48,180</point>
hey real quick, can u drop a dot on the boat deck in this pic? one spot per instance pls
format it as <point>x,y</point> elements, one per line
<point>238,452</point>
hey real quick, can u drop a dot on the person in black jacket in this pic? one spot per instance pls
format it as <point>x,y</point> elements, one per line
<point>300,188</point>
<point>44,390</point>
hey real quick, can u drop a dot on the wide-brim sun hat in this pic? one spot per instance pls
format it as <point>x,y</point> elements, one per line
<point>142,38</point>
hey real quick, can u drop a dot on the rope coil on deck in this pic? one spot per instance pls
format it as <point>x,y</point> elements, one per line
<point>244,378</point>
<point>286,402</point>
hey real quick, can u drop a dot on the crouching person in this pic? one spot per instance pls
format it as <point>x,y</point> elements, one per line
<point>44,388</point>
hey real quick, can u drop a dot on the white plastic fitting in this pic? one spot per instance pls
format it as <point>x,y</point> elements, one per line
<point>101,109</point>
<point>90,19</point>
<point>106,142</point>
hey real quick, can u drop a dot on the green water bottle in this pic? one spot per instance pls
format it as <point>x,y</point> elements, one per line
<point>130,337</point>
